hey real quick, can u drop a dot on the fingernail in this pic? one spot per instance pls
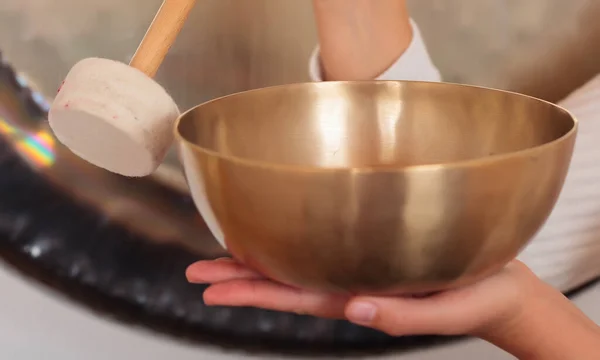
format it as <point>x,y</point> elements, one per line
<point>361,312</point>
<point>194,279</point>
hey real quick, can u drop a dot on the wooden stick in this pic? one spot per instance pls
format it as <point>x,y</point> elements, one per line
<point>161,35</point>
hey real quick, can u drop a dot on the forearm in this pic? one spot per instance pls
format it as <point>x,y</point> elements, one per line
<point>360,39</point>
<point>549,328</point>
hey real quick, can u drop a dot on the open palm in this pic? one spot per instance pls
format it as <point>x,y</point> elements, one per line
<point>468,310</point>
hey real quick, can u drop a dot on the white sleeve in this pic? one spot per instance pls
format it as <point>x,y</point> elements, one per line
<point>565,252</point>
<point>414,64</point>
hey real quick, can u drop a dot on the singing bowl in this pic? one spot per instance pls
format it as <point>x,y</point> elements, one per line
<point>375,187</point>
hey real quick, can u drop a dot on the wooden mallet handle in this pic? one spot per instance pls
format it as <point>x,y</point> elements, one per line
<point>161,35</point>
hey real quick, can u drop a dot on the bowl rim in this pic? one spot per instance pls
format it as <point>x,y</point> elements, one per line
<point>486,160</point>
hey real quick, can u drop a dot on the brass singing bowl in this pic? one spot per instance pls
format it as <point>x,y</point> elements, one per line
<point>375,187</point>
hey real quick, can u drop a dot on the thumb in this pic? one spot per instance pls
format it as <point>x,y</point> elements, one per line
<point>436,315</point>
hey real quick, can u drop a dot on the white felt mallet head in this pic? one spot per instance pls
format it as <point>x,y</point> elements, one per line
<point>115,115</point>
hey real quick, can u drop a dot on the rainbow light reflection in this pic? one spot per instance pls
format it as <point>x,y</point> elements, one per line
<point>37,148</point>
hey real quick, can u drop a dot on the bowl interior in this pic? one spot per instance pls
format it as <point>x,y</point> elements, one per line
<point>372,124</point>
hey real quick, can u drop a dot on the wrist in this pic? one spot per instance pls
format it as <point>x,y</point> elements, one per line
<point>546,326</point>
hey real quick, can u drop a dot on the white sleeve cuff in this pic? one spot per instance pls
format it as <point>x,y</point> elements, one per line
<point>414,64</point>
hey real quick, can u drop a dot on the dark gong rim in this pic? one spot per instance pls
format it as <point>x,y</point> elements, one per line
<point>116,273</point>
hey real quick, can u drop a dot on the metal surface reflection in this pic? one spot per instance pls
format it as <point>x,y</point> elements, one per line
<point>37,148</point>
<point>299,184</point>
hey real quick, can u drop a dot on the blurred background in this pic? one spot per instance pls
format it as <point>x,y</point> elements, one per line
<point>542,47</point>
<point>117,247</point>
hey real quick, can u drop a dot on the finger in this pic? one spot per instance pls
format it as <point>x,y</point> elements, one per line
<point>453,312</point>
<point>404,316</point>
<point>272,296</point>
<point>213,271</point>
